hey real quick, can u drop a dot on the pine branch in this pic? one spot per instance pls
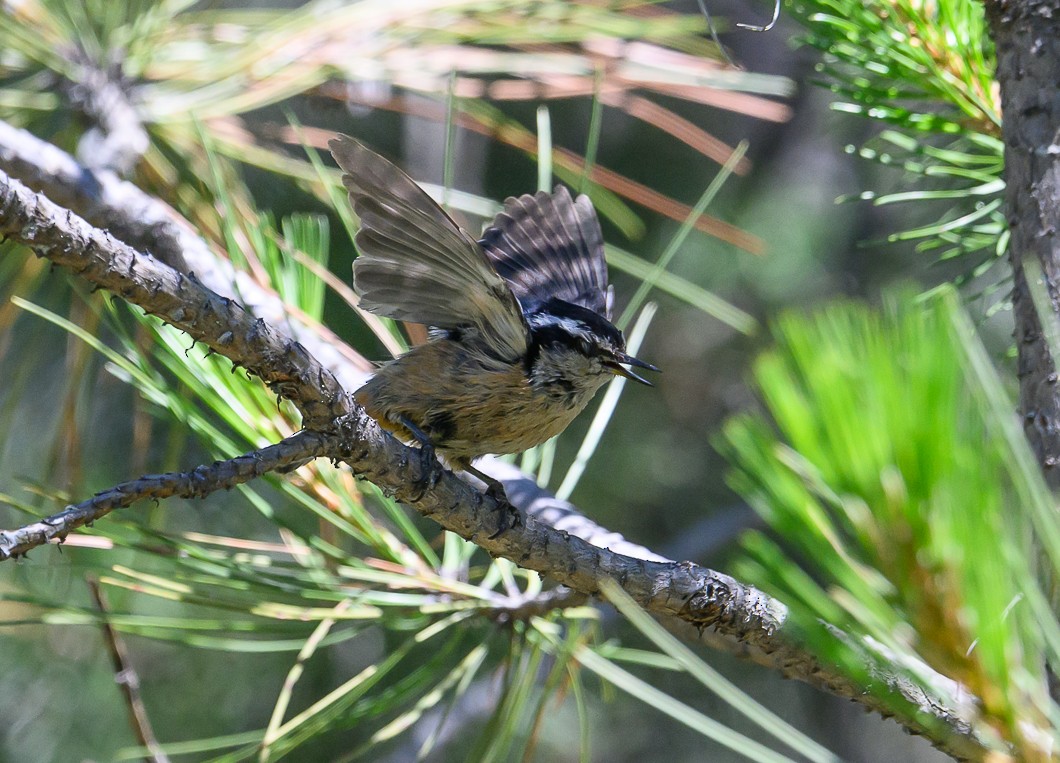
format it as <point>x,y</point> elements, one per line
<point>745,619</point>
<point>149,225</point>
<point>182,301</point>
<point>197,483</point>
<point>118,138</point>
<point>102,198</point>
<point>539,503</point>
<point>538,605</point>
<point>1027,36</point>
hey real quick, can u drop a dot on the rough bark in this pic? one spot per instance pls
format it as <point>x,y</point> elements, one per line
<point>1027,36</point>
<point>149,225</point>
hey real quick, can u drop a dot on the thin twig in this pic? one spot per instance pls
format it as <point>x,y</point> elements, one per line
<point>118,138</point>
<point>126,678</point>
<point>537,605</point>
<point>197,483</point>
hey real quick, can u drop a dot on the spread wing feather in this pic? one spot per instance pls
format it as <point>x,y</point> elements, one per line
<point>415,263</point>
<point>549,246</point>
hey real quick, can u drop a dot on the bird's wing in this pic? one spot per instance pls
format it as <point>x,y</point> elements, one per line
<point>549,246</point>
<point>415,263</point>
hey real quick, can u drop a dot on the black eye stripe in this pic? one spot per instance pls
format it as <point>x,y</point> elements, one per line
<point>574,321</point>
<point>556,335</point>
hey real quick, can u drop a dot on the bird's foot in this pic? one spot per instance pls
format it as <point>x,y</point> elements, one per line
<point>430,471</point>
<point>509,515</point>
<point>430,468</point>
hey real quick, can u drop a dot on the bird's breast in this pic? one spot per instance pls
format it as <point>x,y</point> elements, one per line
<point>470,404</point>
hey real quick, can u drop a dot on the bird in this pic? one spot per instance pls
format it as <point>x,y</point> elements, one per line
<point>520,331</point>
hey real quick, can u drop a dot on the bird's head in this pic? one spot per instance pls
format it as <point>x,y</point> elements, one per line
<point>570,343</point>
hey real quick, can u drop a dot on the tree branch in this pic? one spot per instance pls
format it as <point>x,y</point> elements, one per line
<point>746,619</point>
<point>181,301</point>
<point>118,138</point>
<point>198,483</point>
<point>149,225</point>
<point>536,605</point>
<point>1027,36</point>
<point>530,497</point>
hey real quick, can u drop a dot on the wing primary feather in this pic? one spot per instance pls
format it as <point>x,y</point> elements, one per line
<point>549,246</point>
<point>416,264</point>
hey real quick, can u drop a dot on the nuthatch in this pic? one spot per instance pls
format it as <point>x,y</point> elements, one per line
<point>522,337</point>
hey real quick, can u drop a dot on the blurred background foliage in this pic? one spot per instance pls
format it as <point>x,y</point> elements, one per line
<point>309,617</point>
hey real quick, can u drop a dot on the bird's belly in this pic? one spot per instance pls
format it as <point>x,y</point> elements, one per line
<point>467,410</point>
<point>511,426</point>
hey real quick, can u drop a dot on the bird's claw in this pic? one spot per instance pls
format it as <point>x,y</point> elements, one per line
<point>429,472</point>
<point>509,515</point>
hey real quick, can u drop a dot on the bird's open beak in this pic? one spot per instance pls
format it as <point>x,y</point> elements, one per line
<point>628,360</point>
